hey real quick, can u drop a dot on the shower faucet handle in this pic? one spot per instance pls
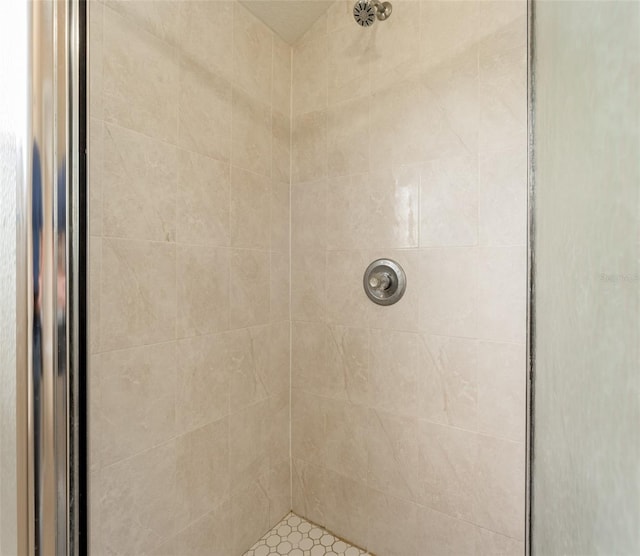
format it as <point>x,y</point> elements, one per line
<point>380,281</point>
<point>384,282</point>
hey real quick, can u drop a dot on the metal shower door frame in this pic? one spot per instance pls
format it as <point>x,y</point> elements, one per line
<point>51,287</point>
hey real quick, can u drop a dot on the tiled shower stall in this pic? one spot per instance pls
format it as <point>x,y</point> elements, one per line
<point>239,187</point>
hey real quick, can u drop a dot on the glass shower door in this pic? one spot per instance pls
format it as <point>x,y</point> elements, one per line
<point>586,278</point>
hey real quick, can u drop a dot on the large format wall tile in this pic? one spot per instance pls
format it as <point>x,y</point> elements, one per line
<point>127,425</point>
<point>139,182</point>
<point>202,470</point>
<point>140,78</point>
<point>202,388</point>
<point>137,501</point>
<point>248,288</point>
<point>250,133</point>
<point>202,208</point>
<point>138,293</point>
<point>250,214</point>
<point>408,143</point>
<point>190,165</point>
<point>252,53</point>
<point>203,290</point>
<point>206,35</point>
<point>204,112</point>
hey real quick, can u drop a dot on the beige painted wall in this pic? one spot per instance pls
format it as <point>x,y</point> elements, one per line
<point>189,171</point>
<point>409,141</point>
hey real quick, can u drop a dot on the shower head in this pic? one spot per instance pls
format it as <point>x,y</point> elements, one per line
<point>365,12</point>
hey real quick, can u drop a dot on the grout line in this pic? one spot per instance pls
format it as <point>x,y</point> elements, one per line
<point>291,63</point>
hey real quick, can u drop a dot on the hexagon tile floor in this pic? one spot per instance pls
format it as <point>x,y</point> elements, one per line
<point>295,536</point>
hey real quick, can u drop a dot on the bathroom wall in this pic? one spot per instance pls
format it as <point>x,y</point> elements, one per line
<point>409,142</point>
<point>189,184</point>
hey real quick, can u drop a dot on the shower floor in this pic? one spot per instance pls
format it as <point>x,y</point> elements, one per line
<point>295,536</point>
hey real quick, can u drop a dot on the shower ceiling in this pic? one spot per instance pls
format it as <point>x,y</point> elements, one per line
<point>290,19</point>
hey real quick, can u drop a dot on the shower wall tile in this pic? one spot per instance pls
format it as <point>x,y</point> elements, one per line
<point>96,130</point>
<point>446,464</point>
<point>348,138</point>
<point>250,507</point>
<point>339,16</point>
<point>95,270</point>
<point>280,286</point>
<point>449,287</point>
<point>204,112</point>
<point>161,18</point>
<point>446,30</point>
<point>396,53</point>
<point>398,151</point>
<point>309,147</point>
<point>333,500</point>
<point>278,433</point>
<point>349,216</point>
<point>248,288</point>
<point>278,488</point>
<point>394,371</point>
<point>331,361</point>
<point>310,73</point>
<point>139,182</point>
<point>202,276</point>
<point>137,293</point>
<point>96,105</point>
<point>392,444</point>
<point>309,215</point>
<point>250,133</point>
<point>501,198</point>
<point>127,426</point>
<point>500,468</point>
<point>501,389</point>
<point>502,281</point>
<point>349,61</point>
<point>190,429</point>
<point>250,210</point>
<point>280,215</point>
<point>446,535</point>
<point>281,147</point>
<point>202,387</point>
<point>202,205</point>
<point>308,277</point>
<point>383,531</point>
<point>209,534</point>
<point>346,305</point>
<point>252,54</point>
<point>449,202</point>
<point>281,80</point>
<point>248,443</point>
<point>278,380</point>
<point>202,471</point>
<point>140,78</point>
<point>205,32</point>
<point>248,363</point>
<point>395,204</point>
<point>140,490</point>
<point>503,87</point>
<point>449,381</point>
<point>488,543</point>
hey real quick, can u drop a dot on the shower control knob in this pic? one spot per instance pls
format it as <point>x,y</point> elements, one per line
<point>384,282</point>
<point>380,281</point>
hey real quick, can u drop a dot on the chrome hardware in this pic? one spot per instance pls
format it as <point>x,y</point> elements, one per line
<point>384,282</point>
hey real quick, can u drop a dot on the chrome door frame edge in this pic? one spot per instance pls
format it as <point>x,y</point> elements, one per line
<point>51,286</point>
<point>531,274</point>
